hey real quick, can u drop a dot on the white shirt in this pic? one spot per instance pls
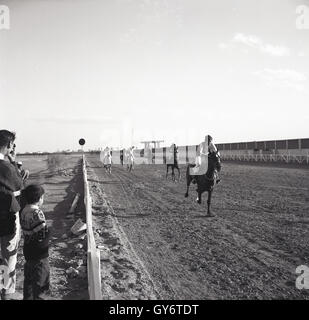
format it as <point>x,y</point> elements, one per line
<point>107,158</point>
<point>1,156</point>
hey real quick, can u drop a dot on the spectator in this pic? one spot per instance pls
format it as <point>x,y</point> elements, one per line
<point>36,244</point>
<point>24,173</point>
<point>11,184</point>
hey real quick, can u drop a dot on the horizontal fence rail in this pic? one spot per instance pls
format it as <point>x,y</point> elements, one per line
<point>287,158</point>
<point>93,254</point>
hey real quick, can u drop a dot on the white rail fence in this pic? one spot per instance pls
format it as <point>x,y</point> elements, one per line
<point>93,254</point>
<point>287,158</point>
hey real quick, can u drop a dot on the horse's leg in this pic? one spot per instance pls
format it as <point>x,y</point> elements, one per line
<point>167,166</point>
<point>173,173</point>
<point>178,174</point>
<point>189,179</point>
<point>209,213</point>
<point>187,192</point>
<point>199,197</point>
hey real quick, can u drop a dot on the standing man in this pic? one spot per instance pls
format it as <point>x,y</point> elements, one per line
<point>11,183</point>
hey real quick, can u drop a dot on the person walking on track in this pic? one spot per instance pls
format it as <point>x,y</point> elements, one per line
<point>107,160</point>
<point>130,157</point>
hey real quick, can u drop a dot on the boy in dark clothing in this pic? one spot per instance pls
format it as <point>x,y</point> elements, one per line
<point>36,244</point>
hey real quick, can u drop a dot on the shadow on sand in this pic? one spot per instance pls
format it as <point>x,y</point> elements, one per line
<point>75,288</point>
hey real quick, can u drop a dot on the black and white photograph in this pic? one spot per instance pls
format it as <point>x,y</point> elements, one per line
<point>154,150</point>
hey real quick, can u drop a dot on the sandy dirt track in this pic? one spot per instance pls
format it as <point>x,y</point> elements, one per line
<point>161,245</point>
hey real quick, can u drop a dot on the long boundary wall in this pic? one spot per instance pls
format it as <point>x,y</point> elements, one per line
<point>93,254</point>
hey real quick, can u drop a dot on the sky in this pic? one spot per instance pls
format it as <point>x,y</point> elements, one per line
<point>117,72</point>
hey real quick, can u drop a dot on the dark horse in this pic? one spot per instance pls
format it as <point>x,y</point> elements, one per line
<point>173,165</point>
<point>206,181</point>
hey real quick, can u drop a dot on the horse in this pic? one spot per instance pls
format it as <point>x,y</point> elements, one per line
<point>108,168</point>
<point>206,181</point>
<point>174,165</point>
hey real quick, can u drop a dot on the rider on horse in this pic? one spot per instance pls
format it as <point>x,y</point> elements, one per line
<point>204,150</point>
<point>174,150</point>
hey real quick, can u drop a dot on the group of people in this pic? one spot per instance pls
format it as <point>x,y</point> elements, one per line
<point>20,210</point>
<point>126,158</point>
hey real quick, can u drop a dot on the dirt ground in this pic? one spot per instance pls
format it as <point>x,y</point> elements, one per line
<point>61,177</point>
<point>159,244</point>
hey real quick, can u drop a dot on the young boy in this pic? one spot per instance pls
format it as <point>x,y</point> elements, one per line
<point>36,244</point>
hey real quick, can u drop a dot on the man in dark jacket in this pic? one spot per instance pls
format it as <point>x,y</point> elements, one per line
<point>11,183</point>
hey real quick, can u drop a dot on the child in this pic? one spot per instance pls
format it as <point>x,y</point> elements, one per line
<point>36,238</point>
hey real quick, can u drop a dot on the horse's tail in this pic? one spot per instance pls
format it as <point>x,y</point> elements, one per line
<point>188,175</point>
